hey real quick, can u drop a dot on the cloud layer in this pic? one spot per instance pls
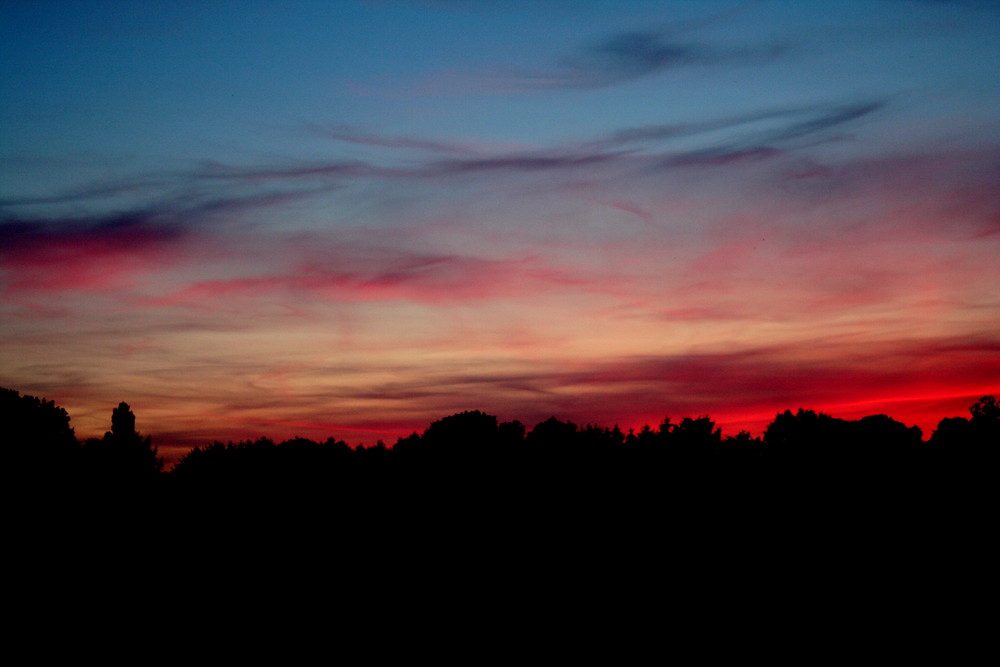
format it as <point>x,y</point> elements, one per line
<point>730,207</point>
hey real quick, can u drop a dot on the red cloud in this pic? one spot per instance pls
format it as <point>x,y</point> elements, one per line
<point>916,382</point>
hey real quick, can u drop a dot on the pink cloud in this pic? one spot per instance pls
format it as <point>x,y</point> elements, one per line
<point>45,258</point>
<point>432,279</point>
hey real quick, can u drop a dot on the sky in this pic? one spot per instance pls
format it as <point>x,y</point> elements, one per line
<point>347,219</point>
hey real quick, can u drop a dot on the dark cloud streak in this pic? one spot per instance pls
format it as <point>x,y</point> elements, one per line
<point>525,162</point>
<point>82,194</point>
<point>625,56</point>
<point>746,141</point>
<point>126,229</point>
<point>798,122</point>
<point>348,135</point>
<point>213,188</point>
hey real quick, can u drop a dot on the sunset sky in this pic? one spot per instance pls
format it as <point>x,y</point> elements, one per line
<point>350,218</point>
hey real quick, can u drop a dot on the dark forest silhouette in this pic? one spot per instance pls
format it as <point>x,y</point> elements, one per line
<point>493,509</point>
<point>475,451</point>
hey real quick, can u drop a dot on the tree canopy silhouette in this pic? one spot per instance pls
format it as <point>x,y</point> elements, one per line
<point>123,455</point>
<point>978,437</point>
<point>38,438</point>
<point>475,448</point>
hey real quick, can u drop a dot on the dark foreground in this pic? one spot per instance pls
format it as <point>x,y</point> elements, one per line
<point>479,539</point>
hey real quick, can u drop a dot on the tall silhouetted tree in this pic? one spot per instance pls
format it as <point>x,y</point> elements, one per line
<point>123,423</point>
<point>123,455</point>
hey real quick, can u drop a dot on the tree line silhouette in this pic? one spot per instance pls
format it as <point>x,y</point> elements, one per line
<point>475,450</point>
<point>561,522</point>
<point>494,507</point>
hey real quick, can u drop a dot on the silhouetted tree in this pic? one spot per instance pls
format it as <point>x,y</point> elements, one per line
<point>37,437</point>
<point>741,448</point>
<point>512,435</point>
<point>648,438</point>
<point>601,441</point>
<point>803,437</point>
<point>462,435</point>
<point>698,436</point>
<point>408,445</point>
<point>123,455</point>
<point>978,438</point>
<point>881,440</point>
<point>453,439</point>
<point>552,437</point>
<point>986,409</point>
<point>951,432</point>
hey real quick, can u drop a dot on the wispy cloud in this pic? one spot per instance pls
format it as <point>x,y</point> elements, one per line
<point>356,274</point>
<point>214,188</point>
<point>616,59</point>
<point>211,170</point>
<point>354,136</point>
<point>748,131</point>
<point>754,135</point>
<point>621,56</point>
